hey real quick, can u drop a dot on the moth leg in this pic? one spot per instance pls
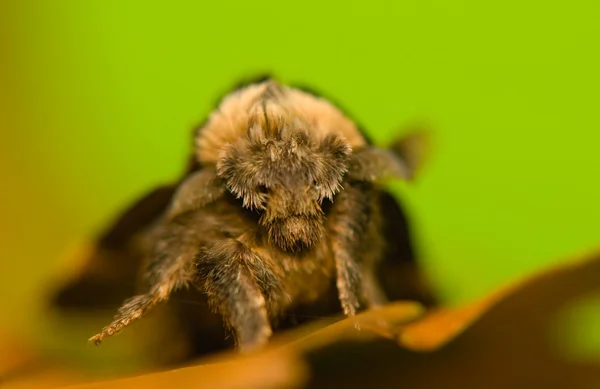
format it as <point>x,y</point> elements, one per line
<point>132,309</point>
<point>226,278</point>
<point>349,219</point>
<point>170,268</point>
<point>137,306</point>
<point>197,190</point>
<point>347,278</point>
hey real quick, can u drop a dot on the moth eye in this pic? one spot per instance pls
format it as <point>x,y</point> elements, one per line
<point>326,205</point>
<point>262,189</point>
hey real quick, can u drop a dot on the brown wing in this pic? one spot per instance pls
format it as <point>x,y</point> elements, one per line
<point>111,269</point>
<point>400,273</point>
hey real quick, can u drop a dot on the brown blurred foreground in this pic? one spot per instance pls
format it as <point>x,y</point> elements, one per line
<point>501,341</point>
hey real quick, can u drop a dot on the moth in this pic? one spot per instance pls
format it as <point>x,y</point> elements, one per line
<point>282,209</point>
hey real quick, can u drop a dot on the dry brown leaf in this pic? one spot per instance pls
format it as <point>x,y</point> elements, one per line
<point>504,342</point>
<point>498,342</point>
<point>266,370</point>
<point>442,324</point>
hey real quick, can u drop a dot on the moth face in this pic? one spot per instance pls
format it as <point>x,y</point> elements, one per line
<point>286,177</point>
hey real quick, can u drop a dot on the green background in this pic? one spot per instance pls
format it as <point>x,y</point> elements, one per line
<point>98,98</point>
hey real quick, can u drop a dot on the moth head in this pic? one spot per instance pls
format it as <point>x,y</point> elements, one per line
<point>286,174</point>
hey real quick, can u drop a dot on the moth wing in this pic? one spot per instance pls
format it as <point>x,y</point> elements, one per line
<point>111,266</point>
<point>400,273</point>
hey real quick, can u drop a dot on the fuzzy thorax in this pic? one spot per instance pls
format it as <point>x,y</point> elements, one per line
<point>266,104</point>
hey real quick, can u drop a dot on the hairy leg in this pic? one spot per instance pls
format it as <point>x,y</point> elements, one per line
<point>233,279</point>
<point>170,268</point>
<point>348,223</point>
<point>132,309</point>
<point>197,190</point>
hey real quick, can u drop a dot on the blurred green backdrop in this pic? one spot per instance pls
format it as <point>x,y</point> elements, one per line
<point>98,98</point>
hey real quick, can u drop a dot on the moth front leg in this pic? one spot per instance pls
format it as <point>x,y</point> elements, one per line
<point>349,220</point>
<point>224,272</point>
<point>170,267</point>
